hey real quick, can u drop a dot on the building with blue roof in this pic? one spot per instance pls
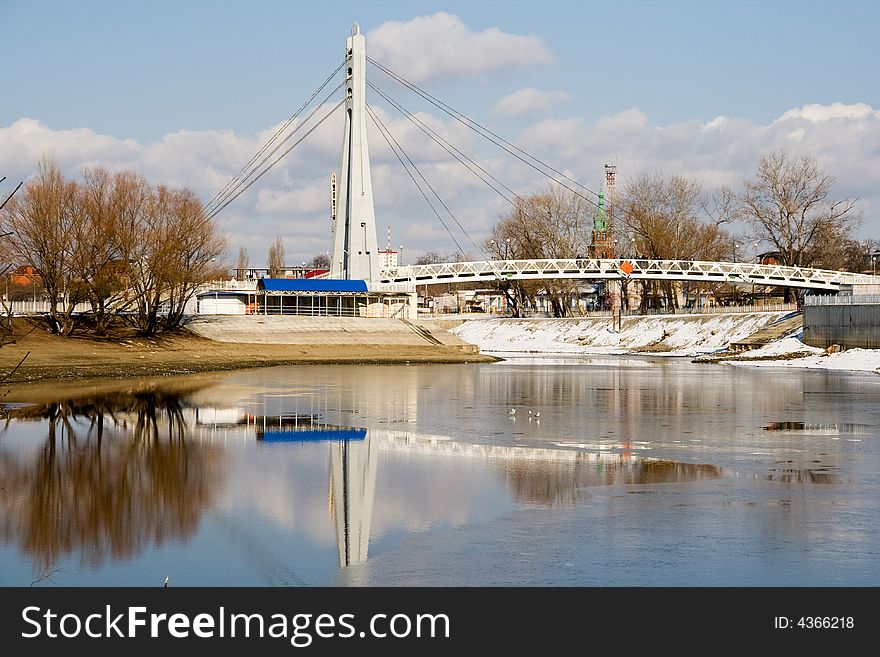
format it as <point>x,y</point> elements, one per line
<point>304,296</point>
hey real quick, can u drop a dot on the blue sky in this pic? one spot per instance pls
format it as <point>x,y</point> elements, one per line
<point>187,91</point>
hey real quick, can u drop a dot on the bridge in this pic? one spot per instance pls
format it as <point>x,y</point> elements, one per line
<point>622,269</point>
<point>355,252</point>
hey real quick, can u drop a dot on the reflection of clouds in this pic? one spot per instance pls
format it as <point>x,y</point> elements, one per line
<point>282,484</point>
<point>397,480</point>
<point>114,474</point>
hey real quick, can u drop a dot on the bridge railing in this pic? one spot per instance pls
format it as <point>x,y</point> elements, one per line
<point>622,269</point>
<point>630,312</point>
<point>842,300</point>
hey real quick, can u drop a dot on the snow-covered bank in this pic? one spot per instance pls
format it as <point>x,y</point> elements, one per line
<point>682,335</point>
<point>792,352</point>
<point>678,335</point>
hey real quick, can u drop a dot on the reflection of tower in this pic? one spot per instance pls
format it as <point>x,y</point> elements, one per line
<point>352,487</point>
<point>355,249</point>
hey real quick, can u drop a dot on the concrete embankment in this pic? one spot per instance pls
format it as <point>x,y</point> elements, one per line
<point>31,354</point>
<point>671,334</point>
<point>326,331</point>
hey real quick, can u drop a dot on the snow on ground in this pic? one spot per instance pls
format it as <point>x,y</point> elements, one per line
<point>685,335</point>
<point>678,335</point>
<point>790,344</point>
<point>856,360</point>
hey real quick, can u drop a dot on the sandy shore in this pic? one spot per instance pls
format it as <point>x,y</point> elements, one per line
<point>51,358</point>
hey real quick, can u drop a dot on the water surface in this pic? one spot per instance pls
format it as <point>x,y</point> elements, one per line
<point>637,471</point>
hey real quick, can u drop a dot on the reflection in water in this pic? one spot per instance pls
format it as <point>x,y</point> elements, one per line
<point>121,471</point>
<point>828,429</point>
<point>555,481</point>
<point>114,474</point>
<point>300,428</point>
<point>541,476</point>
<point>352,491</point>
<point>352,473</point>
<point>419,475</point>
<point>802,476</point>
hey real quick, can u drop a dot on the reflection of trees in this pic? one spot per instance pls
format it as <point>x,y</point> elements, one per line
<point>555,482</point>
<point>114,474</point>
<point>805,476</point>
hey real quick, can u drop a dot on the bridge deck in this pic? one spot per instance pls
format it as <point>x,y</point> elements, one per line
<point>623,269</point>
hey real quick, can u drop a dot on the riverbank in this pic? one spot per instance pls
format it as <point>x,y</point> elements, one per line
<point>673,335</point>
<point>36,355</point>
<point>703,338</point>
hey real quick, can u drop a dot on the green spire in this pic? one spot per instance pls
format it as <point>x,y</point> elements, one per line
<point>600,221</point>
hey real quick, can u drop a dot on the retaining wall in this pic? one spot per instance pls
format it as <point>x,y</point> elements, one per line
<point>849,325</point>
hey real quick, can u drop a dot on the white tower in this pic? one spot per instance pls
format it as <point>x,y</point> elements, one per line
<point>355,249</point>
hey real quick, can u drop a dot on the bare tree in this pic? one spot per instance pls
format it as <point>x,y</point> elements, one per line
<point>101,274</point>
<point>6,266</point>
<point>553,223</point>
<point>181,251</point>
<point>435,257</point>
<point>790,205</point>
<point>241,264</point>
<point>320,261</point>
<point>275,259</point>
<point>43,226</point>
<point>115,241</point>
<point>670,218</point>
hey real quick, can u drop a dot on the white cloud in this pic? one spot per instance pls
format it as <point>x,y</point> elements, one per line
<point>716,123</point>
<point>441,44</point>
<point>293,199</point>
<point>426,232</point>
<point>627,120</point>
<point>817,112</point>
<point>529,101</point>
<point>311,199</point>
<point>553,136</point>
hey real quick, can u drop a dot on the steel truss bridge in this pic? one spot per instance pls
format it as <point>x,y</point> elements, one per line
<point>622,269</point>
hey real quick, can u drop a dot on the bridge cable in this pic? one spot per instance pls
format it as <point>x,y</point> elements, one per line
<point>481,130</point>
<point>446,145</point>
<point>383,129</point>
<point>256,167</point>
<point>494,138</point>
<point>278,159</point>
<point>218,197</point>
<point>276,135</point>
<point>458,155</point>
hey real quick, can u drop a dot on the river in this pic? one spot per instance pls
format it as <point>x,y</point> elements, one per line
<point>613,470</point>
